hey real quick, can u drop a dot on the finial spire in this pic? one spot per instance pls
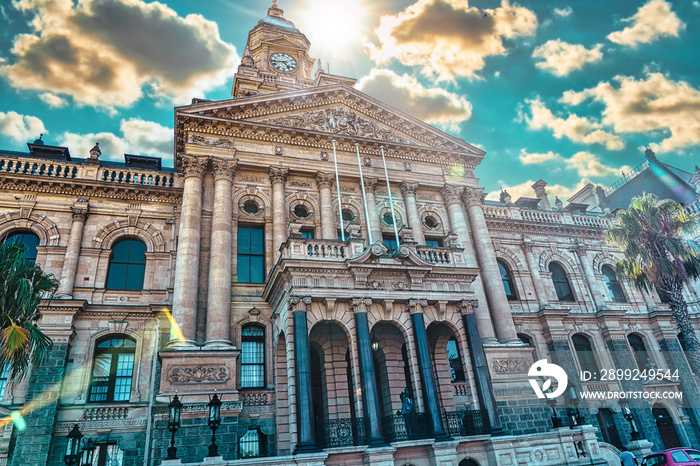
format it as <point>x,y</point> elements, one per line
<point>275,10</point>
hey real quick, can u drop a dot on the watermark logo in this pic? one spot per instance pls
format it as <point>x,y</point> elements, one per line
<point>543,369</point>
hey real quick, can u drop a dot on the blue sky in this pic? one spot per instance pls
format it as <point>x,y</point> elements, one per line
<point>566,91</point>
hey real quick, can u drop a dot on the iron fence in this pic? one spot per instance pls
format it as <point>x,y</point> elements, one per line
<point>465,423</point>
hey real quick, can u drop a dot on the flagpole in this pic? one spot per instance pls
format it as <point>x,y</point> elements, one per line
<point>391,198</point>
<point>337,188</point>
<point>364,195</point>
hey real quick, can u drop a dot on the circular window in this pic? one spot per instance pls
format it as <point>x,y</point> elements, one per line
<point>300,211</point>
<point>388,219</point>
<point>431,222</point>
<point>251,207</point>
<point>348,216</point>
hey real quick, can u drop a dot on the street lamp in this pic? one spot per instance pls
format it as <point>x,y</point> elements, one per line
<point>375,344</point>
<point>575,417</point>
<point>214,422</point>
<point>73,447</point>
<point>556,421</point>
<point>88,452</point>
<point>175,407</point>
<point>629,417</point>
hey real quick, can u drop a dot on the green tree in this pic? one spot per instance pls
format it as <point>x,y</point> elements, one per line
<point>655,236</point>
<point>24,285</point>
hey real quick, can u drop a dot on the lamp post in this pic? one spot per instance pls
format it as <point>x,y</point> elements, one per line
<point>73,447</point>
<point>556,421</point>
<point>629,417</point>
<point>175,407</point>
<point>575,417</point>
<point>214,422</point>
<point>88,452</point>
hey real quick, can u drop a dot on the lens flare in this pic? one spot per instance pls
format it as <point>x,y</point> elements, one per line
<point>175,332</point>
<point>18,419</point>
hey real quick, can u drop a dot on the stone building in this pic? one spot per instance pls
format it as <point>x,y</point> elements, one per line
<point>382,313</point>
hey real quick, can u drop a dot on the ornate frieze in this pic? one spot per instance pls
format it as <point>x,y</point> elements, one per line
<point>199,374</point>
<point>504,366</point>
<point>223,169</point>
<point>194,166</point>
<point>451,194</point>
<point>324,180</point>
<point>278,174</point>
<point>207,141</point>
<point>338,120</point>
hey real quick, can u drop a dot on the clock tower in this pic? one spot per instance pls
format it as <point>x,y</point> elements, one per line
<point>276,58</point>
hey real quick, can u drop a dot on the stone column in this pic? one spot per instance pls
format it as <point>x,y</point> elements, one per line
<point>427,377</point>
<point>498,301</point>
<point>370,392</point>
<point>409,197</point>
<point>541,194</point>
<point>278,177</point>
<point>306,438</point>
<point>325,182</point>
<point>580,249</point>
<point>535,273</point>
<point>187,263</point>
<point>459,226</point>
<point>373,220</point>
<point>219,297</point>
<point>482,376</point>
<point>80,212</point>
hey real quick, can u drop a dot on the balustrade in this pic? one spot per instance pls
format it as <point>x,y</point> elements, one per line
<point>491,211</point>
<point>334,433</point>
<point>464,423</point>
<point>38,168</point>
<point>439,256</point>
<point>541,216</point>
<point>98,414</point>
<point>399,427</point>
<point>321,249</point>
<point>134,177</point>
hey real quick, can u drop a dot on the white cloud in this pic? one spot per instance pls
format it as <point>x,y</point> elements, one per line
<point>21,128</point>
<point>560,58</point>
<point>104,52</point>
<point>563,12</point>
<point>578,129</point>
<point>649,104</point>
<point>652,21</point>
<point>585,163</point>
<point>432,105</point>
<point>448,38</point>
<point>137,137</point>
<point>537,158</point>
<point>52,100</point>
<point>525,190</point>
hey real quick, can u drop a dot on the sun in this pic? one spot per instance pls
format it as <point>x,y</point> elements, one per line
<point>334,24</point>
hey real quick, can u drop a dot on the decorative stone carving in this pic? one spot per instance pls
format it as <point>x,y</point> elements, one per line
<point>215,142</point>
<point>409,189</point>
<point>278,174</point>
<point>467,306</point>
<point>80,213</point>
<point>194,166</point>
<point>505,197</point>
<point>199,374</point>
<point>324,180</point>
<point>297,303</point>
<point>339,121</point>
<point>370,184</point>
<point>473,196</point>
<point>224,169</point>
<point>504,366</point>
<point>361,304</point>
<point>451,194</point>
<point>416,305</point>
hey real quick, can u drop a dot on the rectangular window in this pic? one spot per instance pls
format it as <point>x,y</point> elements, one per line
<point>253,364</point>
<point>433,242</point>
<point>307,233</point>
<point>251,255</point>
<point>389,241</point>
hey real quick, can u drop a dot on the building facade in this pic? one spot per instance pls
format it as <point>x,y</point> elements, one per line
<point>379,313</point>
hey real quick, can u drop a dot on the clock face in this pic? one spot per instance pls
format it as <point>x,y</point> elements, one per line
<point>283,62</point>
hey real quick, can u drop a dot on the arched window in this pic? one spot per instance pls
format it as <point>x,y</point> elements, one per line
<point>614,287</point>
<point>507,281</point>
<point>30,241</point>
<point>584,353</point>
<point>112,369</point>
<point>526,339</point>
<point>455,360</point>
<point>253,444</point>
<point>252,357</point>
<point>639,350</point>
<point>127,265</point>
<point>561,283</point>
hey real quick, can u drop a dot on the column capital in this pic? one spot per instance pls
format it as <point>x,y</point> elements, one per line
<point>579,247</point>
<point>360,304</point>
<point>80,209</point>
<point>370,184</point>
<point>278,174</point>
<point>473,196</point>
<point>409,188</point>
<point>194,166</point>
<point>324,180</point>
<point>224,169</point>
<point>527,244</point>
<point>416,305</point>
<point>467,306</point>
<point>299,303</point>
<point>451,194</point>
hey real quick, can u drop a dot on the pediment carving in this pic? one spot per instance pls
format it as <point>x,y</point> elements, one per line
<point>341,121</point>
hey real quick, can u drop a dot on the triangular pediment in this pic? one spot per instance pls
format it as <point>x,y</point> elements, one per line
<point>336,110</point>
<point>285,41</point>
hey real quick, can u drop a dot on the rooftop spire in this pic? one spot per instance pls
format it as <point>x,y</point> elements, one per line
<point>274,10</point>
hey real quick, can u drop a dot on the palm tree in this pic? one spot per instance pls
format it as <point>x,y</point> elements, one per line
<point>23,287</point>
<point>655,236</point>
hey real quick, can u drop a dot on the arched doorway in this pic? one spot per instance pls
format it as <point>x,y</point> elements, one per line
<point>448,364</point>
<point>664,422</point>
<point>390,365</point>
<point>468,462</point>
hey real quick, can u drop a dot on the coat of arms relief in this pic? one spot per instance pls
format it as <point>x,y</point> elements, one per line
<point>339,121</point>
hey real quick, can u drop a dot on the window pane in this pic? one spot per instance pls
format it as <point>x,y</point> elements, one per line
<point>137,252</point>
<point>432,243</point>
<point>257,269</point>
<point>116,279</point>
<point>257,245</point>
<point>253,331</point>
<point>561,283</point>
<point>455,361</point>
<point>112,370</point>
<point>679,457</point>
<point>243,240</point>
<point>134,276</point>
<point>243,268</point>
<point>250,444</point>
<point>30,241</point>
